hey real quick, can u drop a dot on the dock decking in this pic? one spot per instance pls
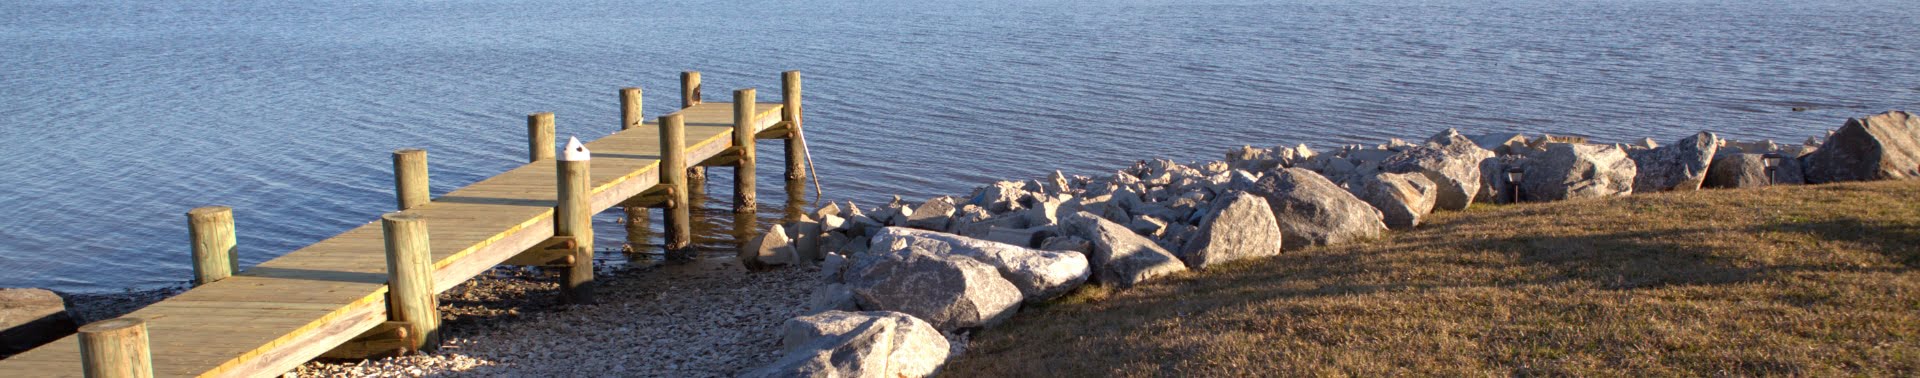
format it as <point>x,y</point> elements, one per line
<point>272,317</point>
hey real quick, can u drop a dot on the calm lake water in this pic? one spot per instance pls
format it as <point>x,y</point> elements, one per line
<point>120,117</point>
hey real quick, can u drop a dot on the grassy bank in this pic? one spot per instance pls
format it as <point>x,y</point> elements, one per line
<point>1810,280</point>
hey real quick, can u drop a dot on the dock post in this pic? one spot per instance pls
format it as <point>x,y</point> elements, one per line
<point>743,130</point>
<point>410,178</point>
<point>673,174</point>
<point>115,348</point>
<point>410,295</point>
<point>539,136</point>
<point>790,113</point>
<point>689,89</point>
<point>211,229</point>
<point>573,219</point>
<point>631,115</point>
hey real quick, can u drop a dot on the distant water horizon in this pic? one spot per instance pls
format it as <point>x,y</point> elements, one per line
<point>122,116</point>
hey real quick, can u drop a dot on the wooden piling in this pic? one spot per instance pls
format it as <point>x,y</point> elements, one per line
<point>743,168</point>
<point>790,113</point>
<point>630,110</point>
<point>673,174</point>
<point>572,218</point>
<point>689,89</point>
<point>410,178</point>
<point>410,295</point>
<point>539,136</point>
<point>115,348</point>
<point>211,229</point>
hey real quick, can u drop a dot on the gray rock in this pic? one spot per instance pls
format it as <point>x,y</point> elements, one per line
<point>999,197</point>
<point>1494,185</point>
<point>1501,143</point>
<point>856,247</point>
<point>1737,170</point>
<point>1681,166</point>
<point>769,249</point>
<point>1240,226</point>
<point>1147,226</point>
<point>831,297</point>
<point>951,291</point>
<point>807,237</point>
<point>1402,198</point>
<point>1567,171</point>
<point>857,344</point>
<point>1024,237</point>
<point>1067,243</point>
<point>933,214</point>
<point>1792,170</point>
<point>1120,257</point>
<point>30,318</point>
<point>1313,211</point>
<point>1454,168</point>
<point>1883,146</point>
<point>830,209</point>
<point>1040,275</point>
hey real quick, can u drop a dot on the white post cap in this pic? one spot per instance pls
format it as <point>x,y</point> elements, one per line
<point>575,151</point>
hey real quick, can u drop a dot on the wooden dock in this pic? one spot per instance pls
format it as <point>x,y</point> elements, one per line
<point>332,298</point>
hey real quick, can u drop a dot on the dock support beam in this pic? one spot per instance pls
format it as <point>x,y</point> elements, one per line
<point>410,178</point>
<point>539,136</point>
<point>115,348</point>
<point>573,219</point>
<point>211,228</point>
<point>790,113</point>
<point>743,170</point>
<point>632,116</point>
<point>689,89</point>
<point>410,295</point>
<point>673,174</point>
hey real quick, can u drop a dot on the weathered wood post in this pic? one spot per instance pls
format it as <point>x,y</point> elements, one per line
<point>211,228</point>
<point>539,136</point>
<point>790,113</point>
<point>636,216</point>
<point>673,174</point>
<point>631,115</point>
<point>115,348</point>
<point>689,89</point>
<point>572,218</point>
<point>410,178</point>
<point>743,170</point>
<point>410,295</point>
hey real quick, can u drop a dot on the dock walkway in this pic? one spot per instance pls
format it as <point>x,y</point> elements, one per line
<point>272,317</point>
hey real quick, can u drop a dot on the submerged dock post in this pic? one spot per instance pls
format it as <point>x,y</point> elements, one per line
<point>573,219</point>
<point>410,295</point>
<point>689,89</point>
<point>410,178</point>
<point>743,170</point>
<point>115,348</point>
<point>211,228</point>
<point>673,174</point>
<point>790,113</point>
<point>539,136</point>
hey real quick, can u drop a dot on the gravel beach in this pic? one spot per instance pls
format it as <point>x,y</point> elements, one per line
<point>703,319</point>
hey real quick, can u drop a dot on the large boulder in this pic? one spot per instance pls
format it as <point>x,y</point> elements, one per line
<point>1313,211</point>
<point>953,292</point>
<point>30,318</point>
<point>1120,257</point>
<point>1239,226</point>
<point>1454,167</point>
<point>1568,170</point>
<point>1680,166</point>
<point>933,214</point>
<point>1402,198</point>
<point>1494,184</point>
<point>1040,275</point>
<point>1879,147</point>
<point>1737,171</point>
<point>857,344</point>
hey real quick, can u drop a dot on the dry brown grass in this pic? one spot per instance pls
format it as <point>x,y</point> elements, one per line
<point>1813,280</point>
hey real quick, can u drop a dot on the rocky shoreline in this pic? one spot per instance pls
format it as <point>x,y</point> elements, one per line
<point>903,274</point>
<point>896,289</point>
